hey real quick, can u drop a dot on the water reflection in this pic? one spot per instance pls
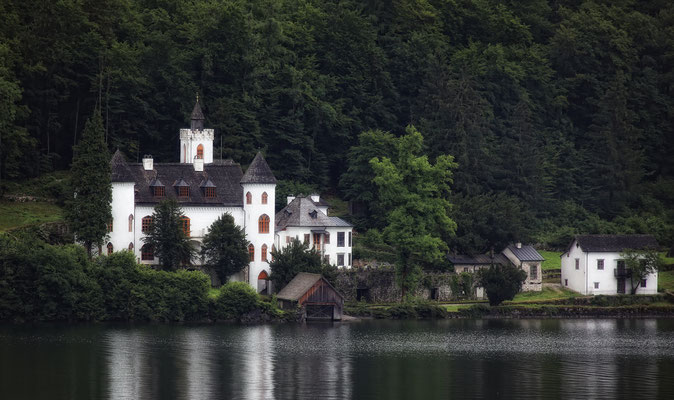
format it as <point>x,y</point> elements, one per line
<point>371,359</point>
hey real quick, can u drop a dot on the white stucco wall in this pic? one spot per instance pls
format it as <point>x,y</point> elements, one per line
<point>572,278</point>
<point>252,213</point>
<point>584,280</point>
<point>330,249</point>
<point>190,140</point>
<point>122,208</point>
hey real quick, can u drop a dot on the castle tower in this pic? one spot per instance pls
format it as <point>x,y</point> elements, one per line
<point>259,189</point>
<point>196,142</point>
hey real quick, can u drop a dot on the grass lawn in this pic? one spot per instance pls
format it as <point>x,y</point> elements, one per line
<point>665,280</point>
<point>667,260</point>
<point>15,214</point>
<point>552,260</point>
<point>547,293</point>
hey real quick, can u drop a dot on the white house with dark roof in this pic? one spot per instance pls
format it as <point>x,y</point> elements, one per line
<point>205,189</point>
<point>592,264</point>
<point>306,219</point>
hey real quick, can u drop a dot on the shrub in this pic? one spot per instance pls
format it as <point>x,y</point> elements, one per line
<point>501,282</point>
<point>234,300</point>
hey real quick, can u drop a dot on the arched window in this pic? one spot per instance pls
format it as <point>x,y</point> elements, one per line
<point>147,252</point>
<point>131,246</point>
<point>109,246</point>
<point>185,225</point>
<point>264,198</point>
<point>146,224</point>
<point>264,252</point>
<point>263,224</point>
<point>251,252</point>
<point>273,250</point>
<point>200,151</point>
<point>249,198</point>
<point>130,222</point>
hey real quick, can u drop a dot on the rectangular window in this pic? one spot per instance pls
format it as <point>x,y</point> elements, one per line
<point>327,238</point>
<point>340,239</point>
<point>340,260</point>
<point>643,283</point>
<point>596,285</point>
<point>465,269</point>
<point>577,263</point>
<point>349,239</point>
<point>147,253</point>
<point>317,241</point>
<point>600,264</point>
<point>184,191</point>
<point>307,237</point>
<point>350,260</point>
<point>210,192</point>
<point>159,191</point>
<point>566,282</point>
<point>533,272</point>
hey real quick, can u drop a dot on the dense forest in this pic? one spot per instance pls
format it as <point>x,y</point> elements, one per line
<point>559,114</point>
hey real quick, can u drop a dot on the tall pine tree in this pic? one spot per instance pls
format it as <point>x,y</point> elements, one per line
<point>89,211</point>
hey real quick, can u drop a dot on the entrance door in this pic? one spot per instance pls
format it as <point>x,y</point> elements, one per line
<point>320,311</point>
<point>621,285</point>
<point>263,283</point>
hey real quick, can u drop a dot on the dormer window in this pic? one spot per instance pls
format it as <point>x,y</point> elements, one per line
<point>313,214</point>
<point>183,188</point>
<point>209,188</point>
<point>157,188</point>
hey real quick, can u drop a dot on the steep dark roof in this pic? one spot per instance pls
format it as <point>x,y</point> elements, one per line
<point>302,211</point>
<point>614,243</point>
<point>258,172</point>
<point>119,168</point>
<point>225,176</point>
<point>479,259</point>
<point>197,114</point>
<point>526,253</point>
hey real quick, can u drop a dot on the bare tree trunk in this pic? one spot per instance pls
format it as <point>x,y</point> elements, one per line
<point>77,120</point>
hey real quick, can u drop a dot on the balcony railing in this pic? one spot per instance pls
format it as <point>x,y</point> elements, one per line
<point>622,272</point>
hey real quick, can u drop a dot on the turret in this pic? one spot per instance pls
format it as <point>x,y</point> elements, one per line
<point>196,142</point>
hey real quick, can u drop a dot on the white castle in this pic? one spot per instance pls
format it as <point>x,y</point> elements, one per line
<point>206,189</point>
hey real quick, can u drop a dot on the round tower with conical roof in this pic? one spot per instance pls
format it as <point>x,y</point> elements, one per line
<point>196,142</point>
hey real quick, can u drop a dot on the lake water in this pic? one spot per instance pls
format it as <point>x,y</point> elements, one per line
<point>521,359</point>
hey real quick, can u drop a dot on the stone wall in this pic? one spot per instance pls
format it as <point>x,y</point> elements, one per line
<point>378,285</point>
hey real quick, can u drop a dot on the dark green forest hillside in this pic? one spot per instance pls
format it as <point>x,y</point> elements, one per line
<point>559,113</point>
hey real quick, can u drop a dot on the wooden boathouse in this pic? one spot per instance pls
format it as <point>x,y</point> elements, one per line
<point>317,298</point>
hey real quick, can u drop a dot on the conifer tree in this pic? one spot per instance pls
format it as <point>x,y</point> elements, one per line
<point>224,248</point>
<point>170,242</point>
<point>89,211</point>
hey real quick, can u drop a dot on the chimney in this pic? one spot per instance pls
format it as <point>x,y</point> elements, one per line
<point>198,164</point>
<point>316,197</point>
<point>290,199</point>
<point>518,245</point>
<point>147,162</point>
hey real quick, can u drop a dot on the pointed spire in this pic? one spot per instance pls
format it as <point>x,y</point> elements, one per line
<point>258,172</point>
<point>197,116</point>
<point>120,169</point>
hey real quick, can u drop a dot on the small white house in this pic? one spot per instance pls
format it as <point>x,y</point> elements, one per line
<point>306,219</point>
<point>525,257</point>
<point>592,264</point>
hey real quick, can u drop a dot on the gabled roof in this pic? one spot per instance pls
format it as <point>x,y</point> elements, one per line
<point>181,183</point>
<point>526,253</point>
<point>258,171</point>
<point>479,259</point>
<point>300,284</point>
<point>614,243</point>
<point>120,169</point>
<point>301,212</point>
